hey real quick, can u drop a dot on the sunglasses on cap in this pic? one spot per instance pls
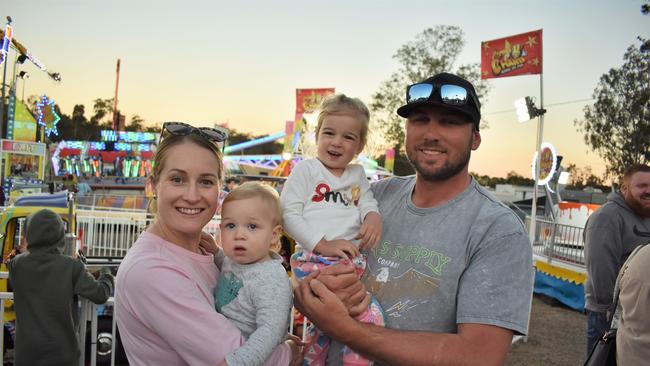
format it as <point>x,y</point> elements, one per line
<point>217,135</point>
<point>450,94</point>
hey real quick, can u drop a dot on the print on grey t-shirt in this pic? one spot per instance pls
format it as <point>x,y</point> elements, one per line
<point>466,261</point>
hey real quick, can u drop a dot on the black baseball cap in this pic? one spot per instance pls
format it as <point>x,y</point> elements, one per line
<point>470,106</point>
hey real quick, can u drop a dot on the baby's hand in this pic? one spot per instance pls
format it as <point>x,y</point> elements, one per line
<point>370,231</point>
<point>209,243</point>
<point>336,248</point>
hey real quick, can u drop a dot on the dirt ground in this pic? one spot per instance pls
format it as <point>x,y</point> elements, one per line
<point>557,336</point>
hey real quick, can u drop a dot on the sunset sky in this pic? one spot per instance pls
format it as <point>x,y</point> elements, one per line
<point>241,61</point>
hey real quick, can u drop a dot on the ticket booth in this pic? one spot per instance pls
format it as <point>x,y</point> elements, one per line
<point>24,162</point>
<point>23,159</point>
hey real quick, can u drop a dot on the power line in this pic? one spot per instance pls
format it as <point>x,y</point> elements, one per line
<point>571,102</point>
<point>546,106</point>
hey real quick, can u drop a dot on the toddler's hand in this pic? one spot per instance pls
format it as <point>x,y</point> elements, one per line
<point>209,243</point>
<point>336,248</point>
<point>370,231</point>
<point>297,350</point>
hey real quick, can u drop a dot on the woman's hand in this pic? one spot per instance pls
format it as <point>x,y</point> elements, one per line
<point>209,243</point>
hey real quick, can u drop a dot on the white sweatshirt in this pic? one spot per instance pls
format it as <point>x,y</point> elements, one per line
<point>316,204</point>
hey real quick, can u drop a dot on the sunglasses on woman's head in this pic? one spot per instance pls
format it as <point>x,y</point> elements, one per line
<point>217,135</point>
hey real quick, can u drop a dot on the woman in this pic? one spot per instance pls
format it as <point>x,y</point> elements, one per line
<point>633,336</point>
<point>164,298</point>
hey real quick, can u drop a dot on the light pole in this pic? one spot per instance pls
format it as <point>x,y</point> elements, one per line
<point>527,110</point>
<point>4,77</point>
<point>23,75</point>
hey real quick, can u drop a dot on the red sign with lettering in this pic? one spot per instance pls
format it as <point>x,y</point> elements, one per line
<point>520,54</point>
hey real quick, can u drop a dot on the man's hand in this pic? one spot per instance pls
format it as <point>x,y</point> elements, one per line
<point>336,248</point>
<point>321,306</point>
<point>342,279</point>
<point>370,231</point>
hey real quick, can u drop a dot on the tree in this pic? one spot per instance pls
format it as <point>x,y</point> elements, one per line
<point>645,45</point>
<point>584,177</point>
<point>79,120</point>
<point>101,108</point>
<point>401,166</point>
<point>512,177</point>
<point>433,51</point>
<point>136,124</point>
<point>617,126</point>
<point>63,127</point>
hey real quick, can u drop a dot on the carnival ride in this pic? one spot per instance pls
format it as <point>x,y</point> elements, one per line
<point>558,244</point>
<point>122,154</point>
<point>280,165</point>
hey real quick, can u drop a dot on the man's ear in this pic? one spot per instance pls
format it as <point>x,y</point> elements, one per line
<point>476,140</point>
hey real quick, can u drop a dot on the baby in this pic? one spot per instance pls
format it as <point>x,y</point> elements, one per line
<point>253,290</point>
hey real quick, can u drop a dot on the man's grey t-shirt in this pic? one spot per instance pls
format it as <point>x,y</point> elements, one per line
<point>466,261</point>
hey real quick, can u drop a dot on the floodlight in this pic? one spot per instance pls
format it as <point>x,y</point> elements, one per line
<point>522,110</point>
<point>55,76</point>
<point>526,109</point>
<point>564,178</point>
<point>287,155</point>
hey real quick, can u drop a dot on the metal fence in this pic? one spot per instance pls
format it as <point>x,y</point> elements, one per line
<point>110,233</point>
<point>559,242</point>
<point>4,296</point>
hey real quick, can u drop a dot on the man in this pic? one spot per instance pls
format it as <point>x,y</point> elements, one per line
<point>45,284</point>
<point>231,183</point>
<point>611,233</point>
<point>453,270</point>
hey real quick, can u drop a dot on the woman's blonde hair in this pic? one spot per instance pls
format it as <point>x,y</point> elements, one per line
<point>254,189</point>
<point>160,158</point>
<point>340,104</point>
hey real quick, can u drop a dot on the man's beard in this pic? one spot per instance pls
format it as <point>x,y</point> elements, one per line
<point>448,170</point>
<point>637,206</point>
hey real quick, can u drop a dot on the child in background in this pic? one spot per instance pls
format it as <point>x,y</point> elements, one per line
<point>329,209</point>
<point>45,282</point>
<point>253,290</point>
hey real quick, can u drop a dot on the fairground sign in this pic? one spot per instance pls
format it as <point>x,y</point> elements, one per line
<point>23,147</point>
<point>547,165</point>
